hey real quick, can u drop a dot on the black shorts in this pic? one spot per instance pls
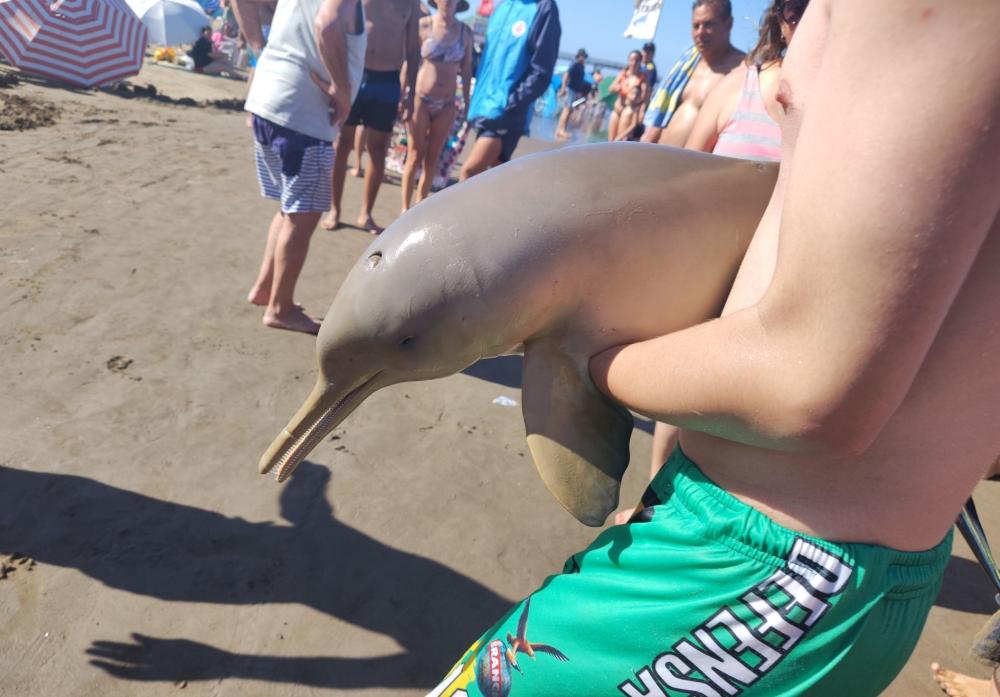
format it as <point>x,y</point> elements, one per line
<point>377,102</point>
<point>508,136</point>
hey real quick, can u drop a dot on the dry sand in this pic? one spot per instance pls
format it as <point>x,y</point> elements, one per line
<point>140,553</point>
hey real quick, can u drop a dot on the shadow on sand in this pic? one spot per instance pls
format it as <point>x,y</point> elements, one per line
<point>966,588</point>
<point>175,552</point>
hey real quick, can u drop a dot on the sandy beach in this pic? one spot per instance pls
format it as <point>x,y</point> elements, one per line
<point>140,551</point>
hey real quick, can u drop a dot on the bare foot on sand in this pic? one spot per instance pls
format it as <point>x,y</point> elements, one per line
<point>296,320</point>
<point>958,685</point>
<point>368,224</point>
<point>357,172</point>
<point>261,297</point>
<point>331,222</point>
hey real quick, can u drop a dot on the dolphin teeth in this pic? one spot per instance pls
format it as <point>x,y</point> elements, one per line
<point>298,450</point>
<point>292,456</point>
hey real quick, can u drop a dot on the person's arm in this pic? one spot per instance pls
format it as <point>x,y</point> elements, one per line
<point>626,124</point>
<point>716,112</point>
<point>248,17</point>
<point>466,72</point>
<point>544,46</point>
<point>411,36</point>
<point>335,19</point>
<point>565,81</point>
<point>889,198</point>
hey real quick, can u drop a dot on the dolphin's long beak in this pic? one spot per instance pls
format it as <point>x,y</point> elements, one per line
<point>324,409</point>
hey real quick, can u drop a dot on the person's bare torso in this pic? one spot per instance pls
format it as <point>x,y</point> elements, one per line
<point>704,78</point>
<point>385,22</point>
<point>439,78</point>
<point>905,490</point>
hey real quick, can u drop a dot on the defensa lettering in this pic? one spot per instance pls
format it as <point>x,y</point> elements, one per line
<point>738,645</point>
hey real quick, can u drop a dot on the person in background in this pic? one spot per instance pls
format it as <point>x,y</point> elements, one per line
<point>574,88</point>
<point>522,45</point>
<point>648,65</point>
<point>629,125</point>
<point>649,69</point>
<point>393,39</point>
<point>358,169</point>
<point>301,94</point>
<point>674,107</point>
<point>254,18</point>
<point>206,60</point>
<point>739,119</point>
<point>446,49</point>
<point>629,79</point>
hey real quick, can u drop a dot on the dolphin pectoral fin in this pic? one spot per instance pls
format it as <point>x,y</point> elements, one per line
<point>579,439</point>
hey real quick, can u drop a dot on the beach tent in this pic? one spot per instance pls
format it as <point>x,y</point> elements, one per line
<point>171,22</point>
<point>83,42</point>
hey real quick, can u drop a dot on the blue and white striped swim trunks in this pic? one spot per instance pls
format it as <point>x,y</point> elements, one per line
<point>292,167</point>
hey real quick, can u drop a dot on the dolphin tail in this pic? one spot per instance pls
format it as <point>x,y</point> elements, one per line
<point>579,439</point>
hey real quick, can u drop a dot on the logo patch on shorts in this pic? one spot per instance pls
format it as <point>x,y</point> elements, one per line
<point>493,670</point>
<point>520,26</point>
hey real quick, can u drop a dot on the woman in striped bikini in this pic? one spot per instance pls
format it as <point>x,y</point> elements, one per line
<point>446,50</point>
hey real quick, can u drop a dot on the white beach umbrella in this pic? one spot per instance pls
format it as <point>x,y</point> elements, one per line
<point>171,22</point>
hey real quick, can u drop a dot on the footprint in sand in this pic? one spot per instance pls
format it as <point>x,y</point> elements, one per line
<point>15,562</point>
<point>119,364</point>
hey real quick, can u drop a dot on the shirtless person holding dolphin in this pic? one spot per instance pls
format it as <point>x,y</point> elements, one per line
<point>834,419</point>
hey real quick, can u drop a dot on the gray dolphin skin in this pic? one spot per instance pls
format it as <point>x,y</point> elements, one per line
<point>560,255</point>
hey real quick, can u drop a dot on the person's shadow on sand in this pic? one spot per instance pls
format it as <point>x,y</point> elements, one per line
<point>148,546</point>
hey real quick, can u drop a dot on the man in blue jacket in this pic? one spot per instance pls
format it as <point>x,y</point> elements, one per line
<point>522,44</point>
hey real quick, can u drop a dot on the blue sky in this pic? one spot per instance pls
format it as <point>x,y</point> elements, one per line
<point>597,25</point>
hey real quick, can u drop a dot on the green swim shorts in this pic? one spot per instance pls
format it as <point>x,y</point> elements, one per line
<point>703,595</point>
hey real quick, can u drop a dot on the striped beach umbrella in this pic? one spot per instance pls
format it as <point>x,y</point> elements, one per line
<point>83,42</point>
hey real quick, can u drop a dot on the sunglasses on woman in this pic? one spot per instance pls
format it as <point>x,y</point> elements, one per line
<point>791,11</point>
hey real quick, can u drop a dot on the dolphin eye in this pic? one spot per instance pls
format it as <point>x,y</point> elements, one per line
<point>407,341</point>
<point>374,259</point>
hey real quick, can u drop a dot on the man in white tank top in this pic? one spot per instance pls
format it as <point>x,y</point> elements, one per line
<point>303,86</point>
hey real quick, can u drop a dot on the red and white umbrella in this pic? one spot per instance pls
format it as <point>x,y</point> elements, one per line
<point>84,42</point>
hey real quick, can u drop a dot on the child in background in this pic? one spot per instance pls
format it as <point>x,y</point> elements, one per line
<point>629,122</point>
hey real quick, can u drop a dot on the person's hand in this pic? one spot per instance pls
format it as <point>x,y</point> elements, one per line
<point>406,108</point>
<point>340,100</point>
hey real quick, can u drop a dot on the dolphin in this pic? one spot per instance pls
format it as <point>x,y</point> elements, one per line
<point>558,255</point>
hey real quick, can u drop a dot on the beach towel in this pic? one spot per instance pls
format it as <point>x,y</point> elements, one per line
<point>664,103</point>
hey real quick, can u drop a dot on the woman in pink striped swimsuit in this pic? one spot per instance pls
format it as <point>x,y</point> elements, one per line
<point>738,118</point>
